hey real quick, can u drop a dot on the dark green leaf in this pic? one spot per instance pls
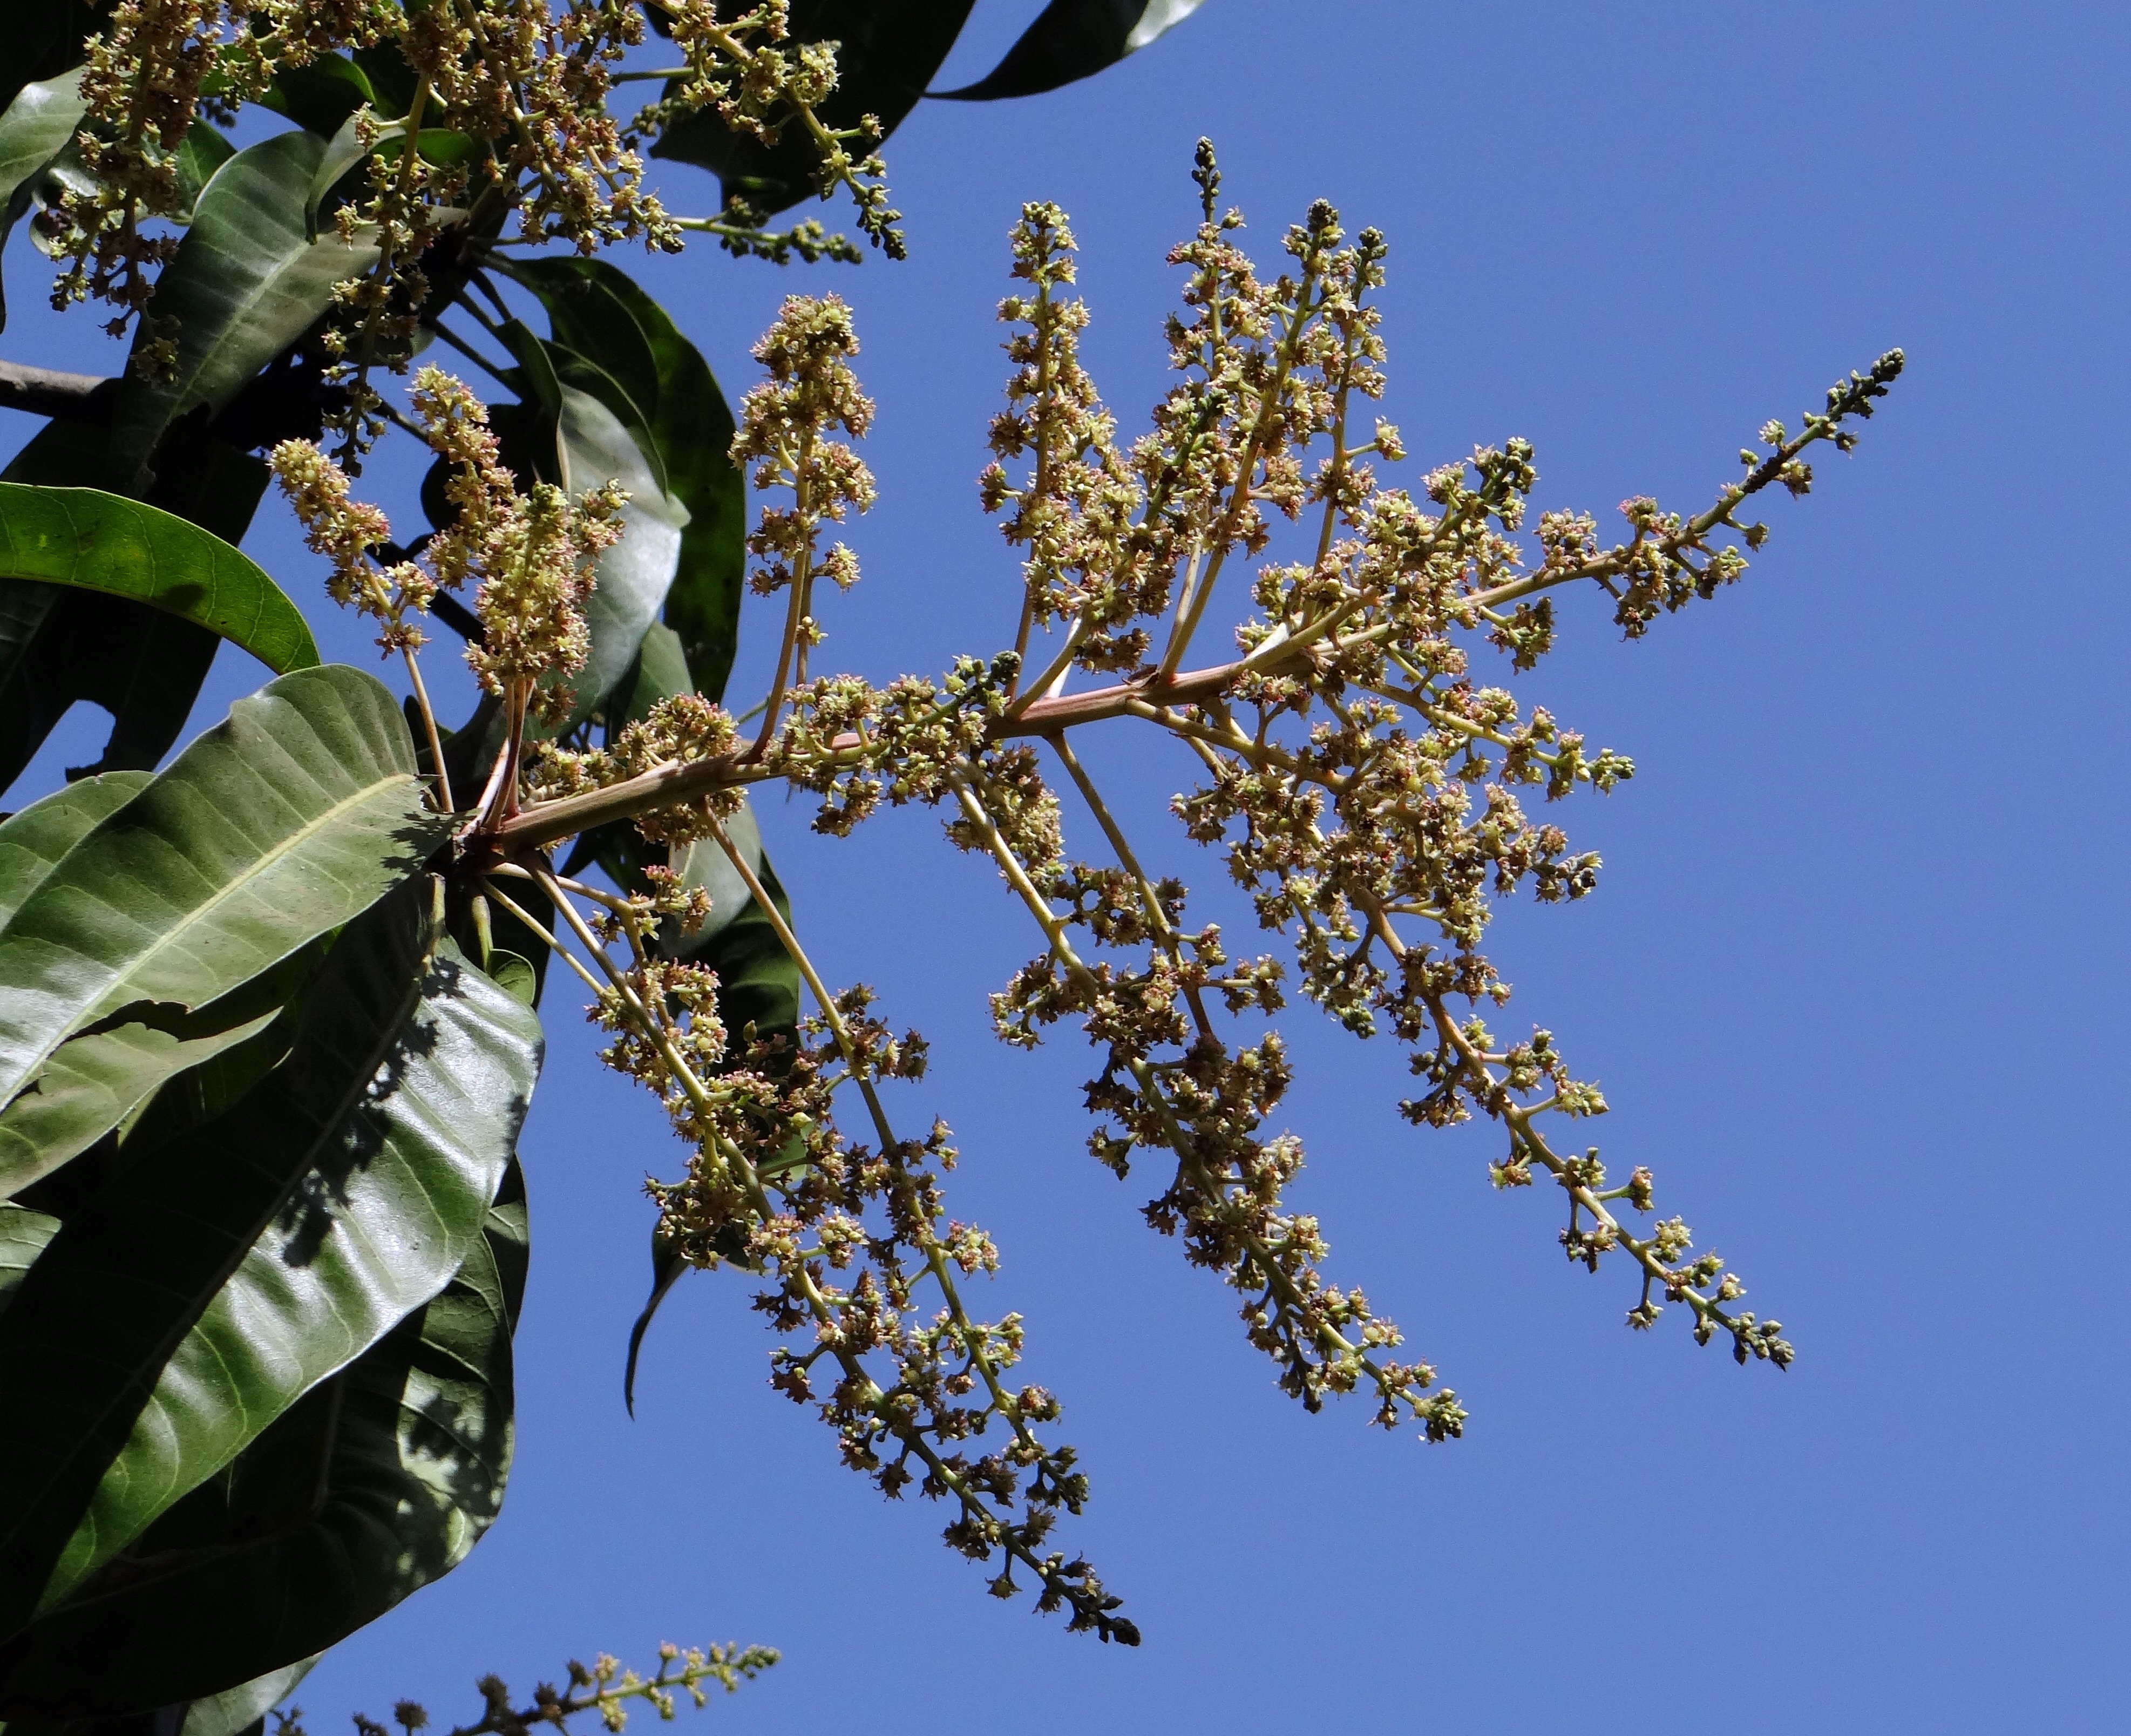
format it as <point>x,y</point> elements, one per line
<point>660,672</point>
<point>599,313</point>
<point>668,1265</point>
<point>96,1081</point>
<point>438,145</point>
<point>179,1311</point>
<point>758,990</point>
<point>380,1481</point>
<point>246,282</point>
<point>1075,39</point>
<point>213,1087</point>
<point>91,1085</point>
<point>390,75</point>
<point>44,40</point>
<point>297,811</point>
<point>203,151</point>
<point>95,541</point>
<point>593,444</point>
<point>23,1235</point>
<point>886,54</point>
<point>321,96</point>
<point>143,665</point>
<point>758,983</point>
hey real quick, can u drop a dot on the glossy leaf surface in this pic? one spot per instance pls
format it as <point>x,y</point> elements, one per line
<point>246,281</point>
<point>296,813</point>
<point>887,52</point>
<point>634,574</point>
<point>601,313</point>
<point>379,1481</point>
<point>1075,38</point>
<point>143,665</point>
<point>184,1307</point>
<point>95,541</point>
<point>41,119</point>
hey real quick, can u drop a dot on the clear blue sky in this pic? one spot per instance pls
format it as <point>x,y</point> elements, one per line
<point>1852,981</point>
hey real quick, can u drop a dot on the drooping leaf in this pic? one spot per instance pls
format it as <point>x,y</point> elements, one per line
<point>592,444</point>
<point>143,665</point>
<point>668,1266</point>
<point>199,157</point>
<point>95,1080</point>
<point>183,1309</point>
<point>87,1088</point>
<point>601,313</point>
<point>93,541</point>
<point>757,988</point>
<point>23,1235</point>
<point>661,671</point>
<point>213,1086</point>
<point>246,282</point>
<point>634,574</point>
<point>379,1481</point>
<point>297,812</point>
<point>887,52</point>
<point>1075,39</point>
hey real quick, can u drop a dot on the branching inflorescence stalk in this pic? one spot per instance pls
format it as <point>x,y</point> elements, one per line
<point>1364,787</point>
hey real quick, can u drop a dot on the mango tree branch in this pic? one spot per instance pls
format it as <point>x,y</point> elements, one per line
<point>46,392</point>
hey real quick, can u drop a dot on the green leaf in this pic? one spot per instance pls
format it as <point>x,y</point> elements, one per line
<point>246,282</point>
<point>593,444</point>
<point>143,665</point>
<point>633,576</point>
<point>212,1087</point>
<point>199,157</point>
<point>758,987</point>
<point>95,541</point>
<point>758,983</point>
<point>887,51</point>
<point>1075,39</point>
<point>320,96</point>
<point>32,842</point>
<point>236,1710</point>
<point>182,1310</point>
<point>35,129</point>
<point>379,1481</point>
<point>45,39</point>
<point>91,1085</point>
<point>514,974</point>
<point>95,1082</point>
<point>599,313</point>
<point>36,124</point>
<point>668,1266</point>
<point>284,821</point>
<point>23,1235</point>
